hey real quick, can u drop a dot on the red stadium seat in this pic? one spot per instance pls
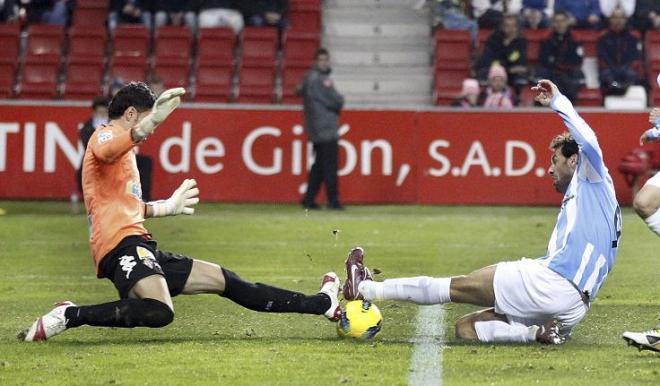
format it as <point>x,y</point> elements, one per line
<point>129,69</point>
<point>87,44</point>
<point>83,81</point>
<point>39,80</point>
<point>216,46</point>
<point>256,85</point>
<point>9,41</point>
<point>7,72</point>
<point>448,84</point>
<point>259,46</point>
<point>534,38</point>
<point>305,16</point>
<point>452,49</point>
<point>173,75</point>
<point>131,41</point>
<point>590,97</point>
<point>291,78</point>
<point>173,45</point>
<point>589,40</point>
<point>45,42</point>
<point>213,84</point>
<point>91,13</point>
<point>482,37</point>
<point>299,49</point>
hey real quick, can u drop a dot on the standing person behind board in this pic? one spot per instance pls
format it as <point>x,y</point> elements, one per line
<point>322,104</point>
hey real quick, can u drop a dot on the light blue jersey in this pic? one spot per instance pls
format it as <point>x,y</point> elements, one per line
<point>585,240</point>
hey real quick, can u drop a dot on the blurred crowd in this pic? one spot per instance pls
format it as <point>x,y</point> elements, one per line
<point>155,13</point>
<point>501,66</point>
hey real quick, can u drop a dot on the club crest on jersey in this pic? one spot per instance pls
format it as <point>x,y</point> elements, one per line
<point>134,188</point>
<point>147,257</point>
<point>104,136</point>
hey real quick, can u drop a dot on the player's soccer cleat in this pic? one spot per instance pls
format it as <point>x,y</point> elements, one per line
<point>647,340</point>
<point>330,286</point>
<point>356,272</point>
<point>47,326</point>
<point>548,333</point>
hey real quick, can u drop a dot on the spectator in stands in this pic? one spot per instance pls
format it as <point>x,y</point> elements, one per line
<point>489,13</point>
<point>647,15</point>
<point>508,48</point>
<point>98,118</point>
<point>561,57</point>
<point>453,14</point>
<point>619,54</point>
<point>322,105</point>
<point>129,12</point>
<point>175,13</point>
<point>48,11</point>
<point>264,13</point>
<point>8,11</point>
<point>583,13</point>
<point>536,13</point>
<point>220,13</point>
<point>498,95</point>
<point>608,6</point>
<point>469,96</point>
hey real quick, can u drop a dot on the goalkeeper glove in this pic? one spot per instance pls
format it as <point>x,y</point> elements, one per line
<point>164,105</point>
<point>181,201</point>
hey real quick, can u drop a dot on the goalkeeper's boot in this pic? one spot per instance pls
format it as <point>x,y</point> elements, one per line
<point>647,340</point>
<point>47,326</point>
<point>330,286</point>
<point>356,272</point>
<point>548,333</point>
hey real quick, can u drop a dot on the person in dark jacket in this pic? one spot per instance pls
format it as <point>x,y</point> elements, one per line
<point>100,117</point>
<point>322,104</point>
<point>130,12</point>
<point>509,49</point>
<point>561,57</point>
<point>263,13</point>
<point>582,13</point>
<point>8,11</point>
<point>647,15</point>
<point>619,55</point>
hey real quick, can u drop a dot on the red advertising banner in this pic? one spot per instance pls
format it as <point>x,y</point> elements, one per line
<point>386,156</point>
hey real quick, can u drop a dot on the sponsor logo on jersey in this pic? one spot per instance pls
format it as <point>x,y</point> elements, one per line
<point>104,136</point>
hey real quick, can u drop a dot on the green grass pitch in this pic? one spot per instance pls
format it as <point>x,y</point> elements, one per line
<point>44,258</point>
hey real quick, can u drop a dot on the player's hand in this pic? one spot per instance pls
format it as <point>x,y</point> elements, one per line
<point>546,91</point>
<point>654,115</point>
<point>182,200</point>
<point>650,135</point>
<point>163,107</point>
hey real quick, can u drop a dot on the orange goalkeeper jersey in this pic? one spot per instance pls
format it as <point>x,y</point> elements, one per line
<point>113,195</point>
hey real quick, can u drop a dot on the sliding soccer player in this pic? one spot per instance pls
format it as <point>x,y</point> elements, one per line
<point>147,278</point>
<point>530,299</point>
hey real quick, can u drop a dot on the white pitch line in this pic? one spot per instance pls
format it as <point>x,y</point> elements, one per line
<point>426,362</point>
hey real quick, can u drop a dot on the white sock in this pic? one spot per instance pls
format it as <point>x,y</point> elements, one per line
<point>499,331</point>
<point>420,290</point>
<point>653,221</point>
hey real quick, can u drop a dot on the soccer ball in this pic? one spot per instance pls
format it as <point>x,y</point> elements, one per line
<point>361,319</point>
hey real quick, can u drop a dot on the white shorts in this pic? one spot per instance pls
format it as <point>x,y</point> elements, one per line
<point>655,180</point>
<point>529,293</point>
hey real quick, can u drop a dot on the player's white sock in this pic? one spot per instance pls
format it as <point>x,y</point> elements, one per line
<point>420,290</point>
<point>653,221</point>
<point>499,331</point>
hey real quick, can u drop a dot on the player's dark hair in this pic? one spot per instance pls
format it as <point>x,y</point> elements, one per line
<point>136,94</point>
<point>321,51</point>
<point>566,143</point>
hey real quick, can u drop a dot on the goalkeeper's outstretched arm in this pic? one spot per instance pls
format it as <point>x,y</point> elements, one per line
<point>182,201</point>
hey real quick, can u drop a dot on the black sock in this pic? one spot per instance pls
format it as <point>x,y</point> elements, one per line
<point>265,298</point>
<point>127,313</point>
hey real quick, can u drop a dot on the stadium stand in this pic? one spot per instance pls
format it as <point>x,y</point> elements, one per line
<point>9,40</point>
<point>215,64</point>
<point>172,53</point>
<point>130,53</point>
<point>41,63</point>
<point>91,13</point>
<point>258,64</point>
<point>451,65</point>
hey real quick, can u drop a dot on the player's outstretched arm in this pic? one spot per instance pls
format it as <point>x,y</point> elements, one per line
<point>182,201</point>
<point>163,107</point>
<point>549,95</point>
<point>652,134</point>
